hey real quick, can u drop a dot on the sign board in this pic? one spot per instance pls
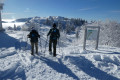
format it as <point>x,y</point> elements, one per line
<point>91,34</point>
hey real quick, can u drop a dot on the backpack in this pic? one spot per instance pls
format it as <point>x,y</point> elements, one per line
<point>34,37</point>
<point>54,33</point>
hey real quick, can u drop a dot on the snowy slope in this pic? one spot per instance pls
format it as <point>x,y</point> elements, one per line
<point>72,63</point>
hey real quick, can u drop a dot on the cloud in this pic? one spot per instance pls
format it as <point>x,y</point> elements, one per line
<point>116,11</point>
<point>86,9</point>
<point>27,10</point>
<point>8,13</point>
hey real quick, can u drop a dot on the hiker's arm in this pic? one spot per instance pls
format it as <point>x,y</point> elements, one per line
<point>58,34</point>
<point>49,32</point>
<point>28,35</point>
<point>38,35</point>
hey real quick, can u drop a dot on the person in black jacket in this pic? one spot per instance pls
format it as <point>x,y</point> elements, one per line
<point>54,36</point>
<point>34,35</point>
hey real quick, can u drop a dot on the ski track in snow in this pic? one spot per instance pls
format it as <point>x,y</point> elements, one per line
<point>72,63</point>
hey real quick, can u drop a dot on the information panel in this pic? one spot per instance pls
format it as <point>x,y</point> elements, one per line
<point>92,34</point>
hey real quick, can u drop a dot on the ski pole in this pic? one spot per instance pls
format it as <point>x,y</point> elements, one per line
<point>40,38</point>
<point>40,45</point>
<point>26,43</point>
<point>59,45</point>
<point>60,49</point>
<point>46,44</point>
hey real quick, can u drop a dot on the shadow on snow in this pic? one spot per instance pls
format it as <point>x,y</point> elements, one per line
<point>13,73</point>
<point>87,66</point>
<point>7,41</point>
<point>102,52</point>
<point>6,55</point>
<point>59,67</point>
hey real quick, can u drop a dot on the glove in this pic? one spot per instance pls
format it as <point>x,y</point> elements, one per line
<point>39,36</point>
<point>28,36</point>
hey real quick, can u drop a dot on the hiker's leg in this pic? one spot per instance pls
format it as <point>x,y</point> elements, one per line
<point>50,45</point>
<point>32,48</point>
<point>54,47</point>
<point>36,46</point>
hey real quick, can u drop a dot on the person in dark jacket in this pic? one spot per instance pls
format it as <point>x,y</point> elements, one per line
<point>54,36</point>
<point>34,35</point>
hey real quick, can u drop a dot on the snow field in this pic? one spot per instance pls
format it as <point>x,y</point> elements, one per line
<point>72,63</point>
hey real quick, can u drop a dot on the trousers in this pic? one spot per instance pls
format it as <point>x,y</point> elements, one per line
<point>32,47</point>
<point>53,43</point>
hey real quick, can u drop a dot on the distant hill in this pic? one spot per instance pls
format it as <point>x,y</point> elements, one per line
<point>4,22</point>
<point>22,20</point>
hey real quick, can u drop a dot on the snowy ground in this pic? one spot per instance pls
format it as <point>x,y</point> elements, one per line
<point>72,63</point>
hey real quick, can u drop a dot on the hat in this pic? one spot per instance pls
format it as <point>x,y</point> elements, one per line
<point>54,25</point>
<point>32,28</point>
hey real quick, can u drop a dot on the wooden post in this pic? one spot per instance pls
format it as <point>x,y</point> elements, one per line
<point>85,34</point>
<point>1,7</point>
<point>97,40</point>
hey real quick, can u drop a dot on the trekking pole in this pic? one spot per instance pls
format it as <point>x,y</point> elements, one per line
<point>26,43</point>
<point>23,46</point>
<point>59,45</point>
<point>40,45</point>
<point>60,49</point>
<point>46,45</point>
<point>40,38</point>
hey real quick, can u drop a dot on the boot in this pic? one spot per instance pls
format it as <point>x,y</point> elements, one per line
<point>54,55</point>
<point>32,54</point>
<point>50,52</point>
<point>37,52</point>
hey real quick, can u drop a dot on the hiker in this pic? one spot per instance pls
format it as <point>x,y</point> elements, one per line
<point>54,36</point>
<point>34,35</point>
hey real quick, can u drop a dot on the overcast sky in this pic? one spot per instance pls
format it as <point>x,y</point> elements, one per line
<point>85,9</point>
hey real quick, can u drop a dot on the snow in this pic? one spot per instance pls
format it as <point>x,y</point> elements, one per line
<point>8,20</point>
<point>12,24</point>
<point>72,63</point>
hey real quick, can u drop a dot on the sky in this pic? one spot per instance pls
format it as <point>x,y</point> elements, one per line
<point>85,9</point>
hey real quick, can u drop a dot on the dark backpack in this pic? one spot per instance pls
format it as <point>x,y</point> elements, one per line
<point>34,37</point>
<point>54,33</point>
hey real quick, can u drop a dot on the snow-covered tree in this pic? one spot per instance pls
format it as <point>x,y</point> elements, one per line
<point>15,28</point>
<point>77,30</point>
<point>110,33</point>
